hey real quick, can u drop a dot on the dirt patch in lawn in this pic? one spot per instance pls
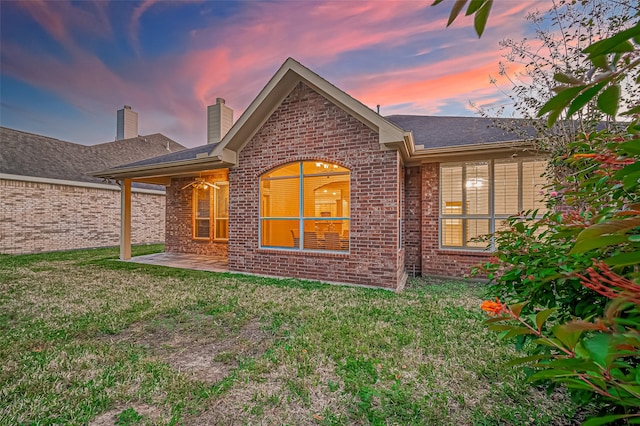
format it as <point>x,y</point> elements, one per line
<point>198,345</point>
<point>130,414</point>
<point>279,396</point>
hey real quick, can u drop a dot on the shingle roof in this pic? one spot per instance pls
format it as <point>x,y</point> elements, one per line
<point>429,131</point>
<point>440,132</point>
<point>28,154</point>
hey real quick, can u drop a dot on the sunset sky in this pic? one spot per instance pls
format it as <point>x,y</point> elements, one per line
<point>66,67</point>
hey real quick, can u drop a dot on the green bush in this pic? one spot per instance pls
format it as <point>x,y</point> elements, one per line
<point>572,277</point>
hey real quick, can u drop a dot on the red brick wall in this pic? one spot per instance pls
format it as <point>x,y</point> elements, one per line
<point>401,270</point>
<point>48,216</point>
<point>308,126</point>
<point>412,217</point>
<point>179,237</point>
<point>435,261</point>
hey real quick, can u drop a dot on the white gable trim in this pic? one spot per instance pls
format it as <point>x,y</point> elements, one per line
<point>281,84</point>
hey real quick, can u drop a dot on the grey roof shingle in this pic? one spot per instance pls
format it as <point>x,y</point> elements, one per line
<point>429,131</point>
<point>28,154</point>
<point>440,132</point>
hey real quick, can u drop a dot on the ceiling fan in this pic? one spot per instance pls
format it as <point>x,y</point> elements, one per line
<point>200,183</point>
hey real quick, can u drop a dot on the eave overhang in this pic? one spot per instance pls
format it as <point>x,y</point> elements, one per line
<point>464,152</point>
<point>176,168</point>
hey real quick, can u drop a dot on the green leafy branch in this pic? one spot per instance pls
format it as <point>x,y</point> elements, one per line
<point>615,57</point>
<point>479,8</point>
<point>598,356</point>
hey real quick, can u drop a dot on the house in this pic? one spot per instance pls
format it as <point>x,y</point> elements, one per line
<point>50,202</point>
<point>311,183</point>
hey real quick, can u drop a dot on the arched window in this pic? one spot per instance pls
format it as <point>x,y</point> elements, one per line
<point>305,205</point>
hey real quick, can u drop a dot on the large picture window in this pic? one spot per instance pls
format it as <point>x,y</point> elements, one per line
<point>305,206</point>
<point>476,198</point>
<point>211,212</point>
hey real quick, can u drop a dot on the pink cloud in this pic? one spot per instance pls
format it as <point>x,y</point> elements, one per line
<point>43,13</point>
<point>61,18</point>
<point>234,58</point>
<point>91,83</point>
<point>134,26</point>
<point>429,94</point>
<point>502,13</point>
<point>139,11</point>
<point>314,35</point>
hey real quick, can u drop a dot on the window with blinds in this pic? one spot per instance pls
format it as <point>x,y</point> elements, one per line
<point>476,198</point>
<point>305,205</point>
<point>211,212</point>
<point>221,212</point>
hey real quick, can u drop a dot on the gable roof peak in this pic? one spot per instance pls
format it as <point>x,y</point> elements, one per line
<point>290,73</point>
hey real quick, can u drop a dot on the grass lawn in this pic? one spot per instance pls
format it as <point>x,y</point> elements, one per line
<point>85,338</point>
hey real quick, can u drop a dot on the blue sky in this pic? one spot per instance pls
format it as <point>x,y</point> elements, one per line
<point>67,66</point>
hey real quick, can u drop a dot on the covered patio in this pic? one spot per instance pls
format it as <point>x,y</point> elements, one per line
<point>184,261</point>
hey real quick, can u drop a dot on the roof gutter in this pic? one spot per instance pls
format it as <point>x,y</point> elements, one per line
<point>421,154</point>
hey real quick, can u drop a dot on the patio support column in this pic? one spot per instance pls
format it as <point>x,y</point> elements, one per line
<point>125,219</point>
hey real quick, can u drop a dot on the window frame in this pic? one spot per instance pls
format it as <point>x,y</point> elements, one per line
<point>213,217</point>
<point>491,216</point>
<point>215,211</point>
<point>195,218</point>
<point>301,218</point>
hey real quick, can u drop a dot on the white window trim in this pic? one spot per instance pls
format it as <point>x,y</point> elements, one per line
<point>213,203</point>
<point>491,216</point>
<point>301,218</point>
<point>215,218</point>
<point>194,209</point>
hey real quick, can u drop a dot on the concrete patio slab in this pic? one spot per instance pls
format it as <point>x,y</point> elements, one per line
<point>184,261</point>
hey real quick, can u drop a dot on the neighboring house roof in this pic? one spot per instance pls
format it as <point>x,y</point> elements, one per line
<point>28,154</point>
<point>441,132</point>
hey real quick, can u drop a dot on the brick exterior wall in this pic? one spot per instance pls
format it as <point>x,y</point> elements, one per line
<point>39,217</point>
<point>435,261</point>
<point>179,238</point>
<point>308,126</point>
<point>412,217</point>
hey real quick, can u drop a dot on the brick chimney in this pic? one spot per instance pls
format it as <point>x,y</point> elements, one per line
<point>219,121</point>
<point>127,123</point>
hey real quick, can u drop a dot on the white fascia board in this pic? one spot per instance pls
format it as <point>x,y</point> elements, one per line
<point>228,156</point>
<point>162,169</point>
<point>487,150</point>
<point>474,147</point>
